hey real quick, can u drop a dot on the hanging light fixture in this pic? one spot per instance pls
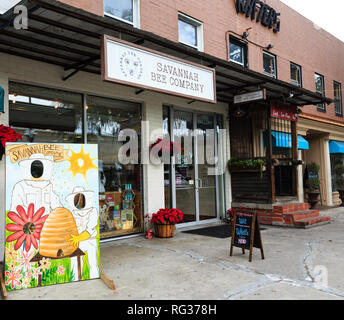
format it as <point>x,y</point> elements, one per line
<point>239,112</point>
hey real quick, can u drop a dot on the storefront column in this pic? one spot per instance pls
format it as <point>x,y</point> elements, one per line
<point>300,194</point>
<point>153,174</point>
<point>327,173</point>
<point>4,121</point>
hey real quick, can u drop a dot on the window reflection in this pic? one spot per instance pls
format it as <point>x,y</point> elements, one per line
<point>45,115</point>
<point>119,184</point>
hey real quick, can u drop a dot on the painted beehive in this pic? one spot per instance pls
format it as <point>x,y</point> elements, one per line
<point>56,233</point>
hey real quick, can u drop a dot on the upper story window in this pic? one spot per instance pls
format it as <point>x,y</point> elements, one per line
<point>238,51</point>
<point>190,31</point>
<point>123,10</point>
<point>338,98</point>
<point>320,89</point>
<point>295,74</point>
<point>269,64</point>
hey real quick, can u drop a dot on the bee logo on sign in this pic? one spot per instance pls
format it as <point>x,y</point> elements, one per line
<point>131,65</point>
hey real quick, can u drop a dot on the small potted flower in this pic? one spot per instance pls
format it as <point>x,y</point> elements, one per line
<point>165,221</point>
<point>230,216</point>
<point>148,227</point>
<point>7,134</point>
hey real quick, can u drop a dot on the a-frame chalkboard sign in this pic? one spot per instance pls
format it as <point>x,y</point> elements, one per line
<point>246,232</point>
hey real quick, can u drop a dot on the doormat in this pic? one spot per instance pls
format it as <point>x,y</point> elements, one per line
<point>222,231</point>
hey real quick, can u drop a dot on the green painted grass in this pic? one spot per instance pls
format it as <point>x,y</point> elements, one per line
<point>50,275</point>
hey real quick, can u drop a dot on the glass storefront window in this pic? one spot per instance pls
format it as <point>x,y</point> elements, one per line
<point>336,159</point>
<point>45,115</point>
<point>120,185</point>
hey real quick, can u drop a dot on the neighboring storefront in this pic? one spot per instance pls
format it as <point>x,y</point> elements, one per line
<point>326,142</point>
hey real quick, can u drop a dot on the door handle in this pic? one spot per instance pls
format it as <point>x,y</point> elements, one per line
<point>199,184</point>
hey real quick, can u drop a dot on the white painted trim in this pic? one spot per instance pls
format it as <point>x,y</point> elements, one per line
<point>199,25</point>
<point>300,194</point>
<point>121,238</point>
<point>328,175</point>
<point>136,15</point>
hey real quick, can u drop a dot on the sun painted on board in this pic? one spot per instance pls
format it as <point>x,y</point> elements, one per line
<point>81,163</point>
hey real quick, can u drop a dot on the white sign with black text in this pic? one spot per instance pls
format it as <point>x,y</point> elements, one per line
<point>136,66</point>
<point>250,96</point>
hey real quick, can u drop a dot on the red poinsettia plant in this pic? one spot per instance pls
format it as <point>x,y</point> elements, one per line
<point>167,216</point>
<point>165,145</point>
<point>7,134</point>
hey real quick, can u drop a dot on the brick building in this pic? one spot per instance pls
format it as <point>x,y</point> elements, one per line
<point>254,48</point>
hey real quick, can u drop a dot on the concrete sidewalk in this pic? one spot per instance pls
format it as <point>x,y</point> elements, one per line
<point>198,267</point>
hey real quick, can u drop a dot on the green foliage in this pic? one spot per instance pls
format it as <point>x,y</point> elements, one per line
<point>246,164</point>
<point>250,164</point>
<point>313,184</point>
<point>313,167</point>
<point>339,169</point>
<point>339,183</point>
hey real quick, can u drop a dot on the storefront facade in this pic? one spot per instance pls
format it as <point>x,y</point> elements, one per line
<point>56,90</point>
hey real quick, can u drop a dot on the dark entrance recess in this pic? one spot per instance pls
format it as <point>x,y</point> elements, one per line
<point>256,135</point>
<point>284,180</point>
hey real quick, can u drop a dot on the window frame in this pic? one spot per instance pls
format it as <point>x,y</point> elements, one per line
<point>199,31</point>
<point>321,107</point>
<point>108,236</point>
<point>275,62</point>
<point>244,46</point>
<point>136,15</point>
<point>300,71</point>
<point>340,100</point>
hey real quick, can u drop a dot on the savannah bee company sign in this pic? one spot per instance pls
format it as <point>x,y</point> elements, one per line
<point>129,64</point>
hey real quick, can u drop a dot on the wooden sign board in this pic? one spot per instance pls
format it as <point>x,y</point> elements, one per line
<point>246,232</point>
<point>255,96</point>
<point>52,214</point>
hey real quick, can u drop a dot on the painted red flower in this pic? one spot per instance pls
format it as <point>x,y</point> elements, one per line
<point>27,226</point>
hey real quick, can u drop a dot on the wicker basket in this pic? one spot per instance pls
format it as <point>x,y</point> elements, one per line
<point>164,230</point>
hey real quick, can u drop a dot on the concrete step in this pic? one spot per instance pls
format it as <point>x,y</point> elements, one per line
<point>296,216</point>
<point>313,221</point>
<point>291,207</point>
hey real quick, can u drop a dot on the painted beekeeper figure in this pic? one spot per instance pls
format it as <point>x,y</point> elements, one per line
<point>36,186</point>
<point>86,219</point>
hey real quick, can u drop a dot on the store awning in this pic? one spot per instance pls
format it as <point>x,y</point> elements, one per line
<point>336,146</point>
<point>69,37</point>
<point>283,140</point>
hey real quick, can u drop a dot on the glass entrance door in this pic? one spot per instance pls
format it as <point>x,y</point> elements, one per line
<point>205,183</point>
<point>184,168</point>
<point>194,190</point>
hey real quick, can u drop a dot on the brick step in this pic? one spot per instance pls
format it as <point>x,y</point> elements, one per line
<point>296,216</point>
<point>290,208</point>
<point>312,221</point>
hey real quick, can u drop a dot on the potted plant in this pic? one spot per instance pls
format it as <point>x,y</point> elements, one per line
<point>7,134</point>
<point>313,184</point>
<point>248,165</point>
<point>230,216</point>
<point>339,180</point>
<point>164,222</point>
